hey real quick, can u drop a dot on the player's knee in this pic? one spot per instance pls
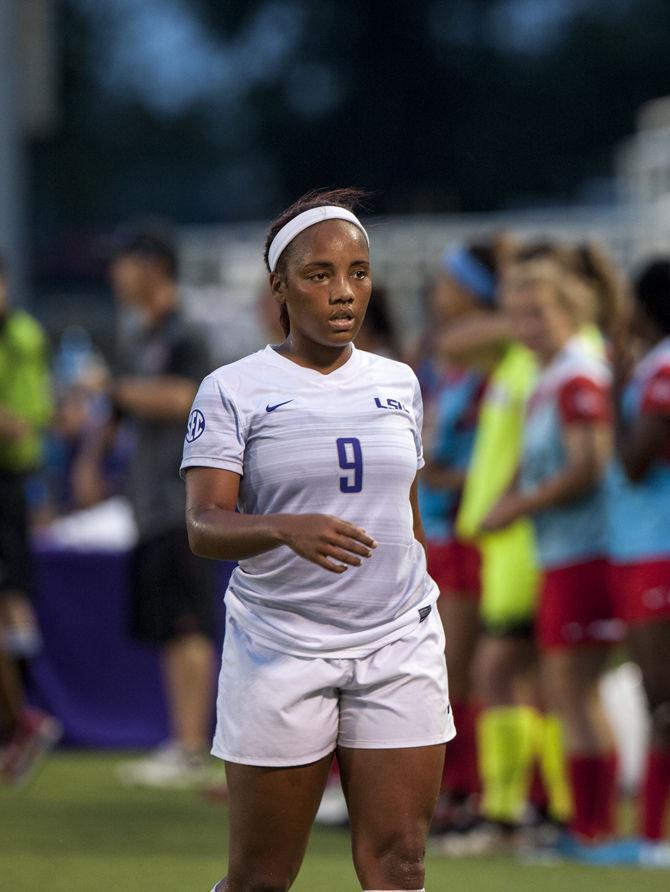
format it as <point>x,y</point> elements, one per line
<point>400,860</point>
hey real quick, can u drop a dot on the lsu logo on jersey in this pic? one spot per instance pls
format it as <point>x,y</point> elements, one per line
<point>196,426</point>
<point>390,404</point>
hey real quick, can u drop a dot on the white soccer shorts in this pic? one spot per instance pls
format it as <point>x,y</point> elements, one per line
<point>276,709</point>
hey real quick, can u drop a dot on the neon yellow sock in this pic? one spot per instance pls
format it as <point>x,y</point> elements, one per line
<point>507,738</point>
<point>551,757</point>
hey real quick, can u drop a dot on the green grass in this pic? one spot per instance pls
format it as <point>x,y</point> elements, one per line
<point>75,830</point>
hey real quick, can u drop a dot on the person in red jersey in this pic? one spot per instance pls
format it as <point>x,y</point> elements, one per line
<point>639,531</point>
<point>566,445</point>
<point>464,289</point>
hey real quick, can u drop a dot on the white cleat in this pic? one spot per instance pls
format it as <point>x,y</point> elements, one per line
<point>168,767</point>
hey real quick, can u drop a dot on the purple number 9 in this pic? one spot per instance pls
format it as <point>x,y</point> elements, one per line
<point>351,459</point>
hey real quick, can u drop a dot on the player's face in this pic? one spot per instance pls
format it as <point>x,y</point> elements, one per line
<point>131,276</point>
<point>327,284</point>
<point>539,320</point>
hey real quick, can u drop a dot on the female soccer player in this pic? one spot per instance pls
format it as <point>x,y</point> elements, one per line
<point>512,733</point>
<point>567,443</point>
<point>464,289</point>
<point>332,642</point>
<point>639,511</point>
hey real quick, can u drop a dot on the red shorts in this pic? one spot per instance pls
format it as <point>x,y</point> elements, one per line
<point>642,591</point>
<point>577,607</point>
<point>455,566</point>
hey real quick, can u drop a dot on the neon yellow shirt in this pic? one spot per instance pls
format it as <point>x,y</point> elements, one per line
<point>510,575</point>
<point>509,571</point>
<point>24,388</point>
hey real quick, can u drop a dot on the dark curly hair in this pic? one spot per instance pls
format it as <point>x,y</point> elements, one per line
<point>349,198</point>
<point>652,291</point>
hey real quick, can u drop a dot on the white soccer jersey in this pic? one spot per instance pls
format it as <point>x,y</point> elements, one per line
<point>346,444</point>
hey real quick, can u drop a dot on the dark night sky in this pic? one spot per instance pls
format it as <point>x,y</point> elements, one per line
<point>207,111</point>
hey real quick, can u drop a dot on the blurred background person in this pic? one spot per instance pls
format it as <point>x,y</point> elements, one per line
<point>67,481</point>
<point>639,536</point>
<point>567,441</point>
<point>504,661</point>
<point>513,730</point>
<point>160,362</point>
<point>378,334</point>
<point>465,288</point>
<point>25,410</point>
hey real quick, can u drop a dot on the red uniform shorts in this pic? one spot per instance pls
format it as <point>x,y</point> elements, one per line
<point>642,590</point>
<point>577,607</point>
<point>454,566</point>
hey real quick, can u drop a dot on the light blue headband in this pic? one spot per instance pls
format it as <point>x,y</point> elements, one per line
<point>469,272</point>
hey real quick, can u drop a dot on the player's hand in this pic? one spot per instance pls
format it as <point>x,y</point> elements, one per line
<point>331,543</point>
<point>510,508</point>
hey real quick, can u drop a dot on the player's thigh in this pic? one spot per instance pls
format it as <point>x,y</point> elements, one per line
<point>649,645</point>
<point>271,813</point>
<point>499,661</point>
<point>570,674</point>
<point>460,618</point>
<point>391,796</point>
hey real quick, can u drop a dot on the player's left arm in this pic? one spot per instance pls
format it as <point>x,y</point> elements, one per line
<point>443,476</point>
<point>587,442</point>
<point>588,447</point>
<point>167,396</point>
<point>419,533</point>
<point>159,398</point>
<point>640,443</point>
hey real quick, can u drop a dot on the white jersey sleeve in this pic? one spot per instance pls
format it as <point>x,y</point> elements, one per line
<point>417,409</point>
<point>215,433</point>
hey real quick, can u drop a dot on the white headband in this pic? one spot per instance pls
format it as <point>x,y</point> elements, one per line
<point>303,221</point>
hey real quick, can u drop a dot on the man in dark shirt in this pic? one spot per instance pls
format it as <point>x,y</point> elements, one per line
<point>161,361</point>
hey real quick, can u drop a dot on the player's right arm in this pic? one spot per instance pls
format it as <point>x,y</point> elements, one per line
<point>643,441</point>
<point>476,342</point>
<point>216,530</point>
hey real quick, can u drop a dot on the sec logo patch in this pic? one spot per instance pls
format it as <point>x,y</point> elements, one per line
<point>196,426</point>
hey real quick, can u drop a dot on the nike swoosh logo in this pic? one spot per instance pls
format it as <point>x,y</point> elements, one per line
<point>272,408</point>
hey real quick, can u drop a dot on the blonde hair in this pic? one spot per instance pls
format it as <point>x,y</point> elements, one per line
<point>572,293</point>
<point>586,280</point>
<point>597,268</point>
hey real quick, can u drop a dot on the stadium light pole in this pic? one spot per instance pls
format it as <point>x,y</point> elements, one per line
<point>12,181</point>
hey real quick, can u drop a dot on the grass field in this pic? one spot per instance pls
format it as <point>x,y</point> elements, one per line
<point>75,830</point>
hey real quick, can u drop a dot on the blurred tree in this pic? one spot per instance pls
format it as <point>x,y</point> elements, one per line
<point>209,111</point>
